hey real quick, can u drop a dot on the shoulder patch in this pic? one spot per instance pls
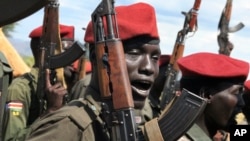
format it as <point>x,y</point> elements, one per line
<point>15,108</point>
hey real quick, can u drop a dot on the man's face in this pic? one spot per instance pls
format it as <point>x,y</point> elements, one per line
<point>223,105</point>
<point>142,70</point>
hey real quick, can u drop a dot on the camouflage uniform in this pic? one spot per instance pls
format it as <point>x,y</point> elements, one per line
<point>21,106</point>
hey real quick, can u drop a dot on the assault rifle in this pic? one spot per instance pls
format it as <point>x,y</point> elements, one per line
<point>111,70</point>
<point>225,46</point>
<point>190,25</point>
<point>50,52</point>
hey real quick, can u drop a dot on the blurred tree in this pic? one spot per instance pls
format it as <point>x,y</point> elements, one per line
<point>29,60</point>
<point>7,29</point>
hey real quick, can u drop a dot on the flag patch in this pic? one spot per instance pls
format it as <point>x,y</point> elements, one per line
<point>15,106</point>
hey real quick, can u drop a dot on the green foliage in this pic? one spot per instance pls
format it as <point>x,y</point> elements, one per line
<point>7,29</point>
<point>29,60</point>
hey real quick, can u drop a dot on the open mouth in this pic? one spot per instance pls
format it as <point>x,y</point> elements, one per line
<point>141,86</point>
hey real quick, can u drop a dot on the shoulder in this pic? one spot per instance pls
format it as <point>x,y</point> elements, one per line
<point>20,82</point>
<point>74,112</point>
<point>85,81</point>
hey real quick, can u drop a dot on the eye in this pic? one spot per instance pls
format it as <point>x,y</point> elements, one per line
<point>238,90</point>
<point>156,57</point>
<point>133,52</point>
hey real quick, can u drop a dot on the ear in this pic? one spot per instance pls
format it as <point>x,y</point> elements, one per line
<point>210,98</point>
<point>202,92</point>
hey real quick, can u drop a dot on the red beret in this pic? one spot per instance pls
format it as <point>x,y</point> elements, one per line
<point>88,67</point>
<point>133,20</point>
<point>247,85</point>
<point>213,66</point>
<point>164,59</point>
<point>66,32</point>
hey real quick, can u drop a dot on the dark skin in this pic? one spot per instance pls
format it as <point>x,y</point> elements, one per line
<point>54,93</point>
<point>219,110</point>
<point>159,83</point>
<point>142,69</point>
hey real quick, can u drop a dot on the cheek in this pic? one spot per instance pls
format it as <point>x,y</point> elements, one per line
<point>221,107</point>
<point>157,73</point>
<point>132,68</point>
<point>227,101</point>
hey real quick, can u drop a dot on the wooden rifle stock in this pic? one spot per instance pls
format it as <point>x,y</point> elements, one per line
<point>190,25</point>
<point>114,81</point>
<point>112,73</point>
<point>81,68</point>
<point>50,45</point>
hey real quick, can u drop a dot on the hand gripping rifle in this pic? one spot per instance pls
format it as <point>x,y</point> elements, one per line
<point>190,25</point>
<point>112,72</point>
<point>224,44</point>
<point>50,52</point>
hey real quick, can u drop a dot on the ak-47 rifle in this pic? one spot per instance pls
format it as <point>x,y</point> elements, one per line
<point>224,44</point>
<point>112,72</point>
<point>190,25</point>
<point>50,52</point>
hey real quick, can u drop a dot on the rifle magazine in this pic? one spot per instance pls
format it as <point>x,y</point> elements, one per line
<point>181,115</point>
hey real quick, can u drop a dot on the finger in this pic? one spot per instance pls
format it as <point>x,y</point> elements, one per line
<point>57,85</point>
<point>48,83</point>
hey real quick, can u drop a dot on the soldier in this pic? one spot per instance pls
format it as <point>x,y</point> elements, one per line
<point>22,102</point>
<point>83,119</point>
<point>219,79</point>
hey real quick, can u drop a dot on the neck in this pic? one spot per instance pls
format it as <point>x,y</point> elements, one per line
<point>207,126</point>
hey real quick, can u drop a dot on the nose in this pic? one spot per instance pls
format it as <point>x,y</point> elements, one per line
<point>147,66</point>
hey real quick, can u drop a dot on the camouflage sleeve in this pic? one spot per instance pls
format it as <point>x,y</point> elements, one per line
<point>16,108</point>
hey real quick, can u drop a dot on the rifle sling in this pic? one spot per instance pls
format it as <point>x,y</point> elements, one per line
<point>67,57</point>
<point>153,131</point>
<point>181,115</point>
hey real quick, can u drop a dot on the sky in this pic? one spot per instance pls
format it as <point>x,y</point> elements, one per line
<point>169,21</point>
